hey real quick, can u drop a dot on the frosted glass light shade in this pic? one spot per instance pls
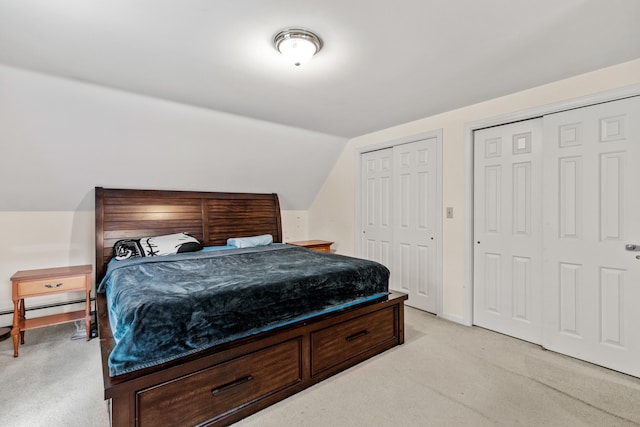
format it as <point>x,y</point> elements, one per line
<point>297,45</point>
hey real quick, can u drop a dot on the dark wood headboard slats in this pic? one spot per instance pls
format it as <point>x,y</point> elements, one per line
<point>131,227</point>
<point>210,217</point>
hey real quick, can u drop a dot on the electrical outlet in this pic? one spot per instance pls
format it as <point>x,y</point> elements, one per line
<point>449,212</point>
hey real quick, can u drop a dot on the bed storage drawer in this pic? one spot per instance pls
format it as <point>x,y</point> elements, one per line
<point>336,344</point>
<point>213,392</point>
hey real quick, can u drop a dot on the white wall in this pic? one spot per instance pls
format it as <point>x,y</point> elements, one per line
<point>60,138</point>
<point>332,214</point>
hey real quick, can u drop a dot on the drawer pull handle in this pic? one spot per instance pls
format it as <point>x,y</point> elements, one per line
<point>51,286</point>
<point>357,335</point>
<point>231,385</point>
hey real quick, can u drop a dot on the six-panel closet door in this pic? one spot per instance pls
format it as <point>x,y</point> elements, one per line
<point>508,229</point>
<point>556,225</point>
<point>400,224</point>
<point>591,293</point>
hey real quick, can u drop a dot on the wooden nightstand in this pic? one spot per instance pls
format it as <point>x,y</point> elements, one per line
<point>316,245</point>
<point>32,283</point>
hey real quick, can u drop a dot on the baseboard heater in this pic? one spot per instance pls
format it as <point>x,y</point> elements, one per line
<point>52,305</point>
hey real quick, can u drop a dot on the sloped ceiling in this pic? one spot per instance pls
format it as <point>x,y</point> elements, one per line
<point>383,63</point>
<point>60,138</point>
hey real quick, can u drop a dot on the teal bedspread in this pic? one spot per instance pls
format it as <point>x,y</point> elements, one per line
<point>163,308</point>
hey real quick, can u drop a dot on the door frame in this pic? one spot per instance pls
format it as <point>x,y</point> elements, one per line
<point>358,220</point>
<point>471,127</point>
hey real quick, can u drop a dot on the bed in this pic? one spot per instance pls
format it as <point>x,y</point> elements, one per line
<point>229,379</point>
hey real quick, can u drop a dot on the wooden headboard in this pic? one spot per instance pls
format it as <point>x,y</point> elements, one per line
<point>212,218</point>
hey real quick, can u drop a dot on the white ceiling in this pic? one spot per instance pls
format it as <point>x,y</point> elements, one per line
<point>383,62</point>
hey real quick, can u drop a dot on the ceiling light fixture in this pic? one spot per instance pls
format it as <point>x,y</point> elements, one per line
<point>297,45</point>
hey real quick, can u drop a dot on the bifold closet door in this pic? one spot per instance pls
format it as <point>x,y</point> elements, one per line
<point>399,216</point>
<point>508,229</point>
<point>591,184</point>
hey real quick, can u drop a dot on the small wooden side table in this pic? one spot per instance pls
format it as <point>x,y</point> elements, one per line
<point>316,245</point>
<point>47,281</point>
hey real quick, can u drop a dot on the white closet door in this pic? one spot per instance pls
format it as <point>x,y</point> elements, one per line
<point>592,209</point>
<point>376,188</point>
<point>507,229</point>
<point>415,231</point>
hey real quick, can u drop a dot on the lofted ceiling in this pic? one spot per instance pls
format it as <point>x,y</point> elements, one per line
<point>383,62</point>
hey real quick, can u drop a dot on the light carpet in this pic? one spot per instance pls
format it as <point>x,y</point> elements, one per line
<point>444,375</point>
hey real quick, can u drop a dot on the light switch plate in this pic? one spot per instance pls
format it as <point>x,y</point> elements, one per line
<point>449,212</point>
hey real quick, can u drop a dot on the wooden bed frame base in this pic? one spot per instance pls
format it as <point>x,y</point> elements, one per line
<point>232,381</point>
<point>228,382</point>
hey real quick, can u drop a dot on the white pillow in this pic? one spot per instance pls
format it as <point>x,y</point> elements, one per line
<point>167,244</point>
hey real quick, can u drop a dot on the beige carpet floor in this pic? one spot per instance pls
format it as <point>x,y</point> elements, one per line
<point>444,375</point>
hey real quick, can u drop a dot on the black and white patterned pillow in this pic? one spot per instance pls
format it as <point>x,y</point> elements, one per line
<point>167,244</point>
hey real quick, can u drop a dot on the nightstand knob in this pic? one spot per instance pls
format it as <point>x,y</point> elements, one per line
<point>57,285</point>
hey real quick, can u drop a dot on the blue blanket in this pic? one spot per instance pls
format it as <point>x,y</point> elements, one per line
<point>163,308</point>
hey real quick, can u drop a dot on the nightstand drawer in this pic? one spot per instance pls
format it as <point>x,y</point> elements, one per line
<point>51,285</point>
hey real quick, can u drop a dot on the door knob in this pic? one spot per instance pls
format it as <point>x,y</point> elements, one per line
<point>632,247</point>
